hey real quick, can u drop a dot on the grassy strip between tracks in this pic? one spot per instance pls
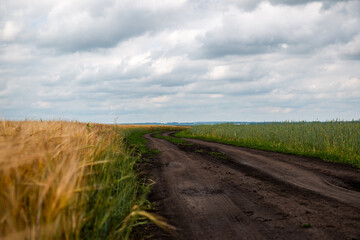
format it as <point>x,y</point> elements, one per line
<point>185,145</point>
<point>174,140</point>
<point>70,180</point>
<point>334,141</point>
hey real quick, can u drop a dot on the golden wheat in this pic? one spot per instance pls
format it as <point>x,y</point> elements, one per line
<point>42,171</point>
<point>69,180</point>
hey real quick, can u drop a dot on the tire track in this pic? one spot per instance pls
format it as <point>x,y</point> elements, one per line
<point>286,172</point>
<point>207,199</point>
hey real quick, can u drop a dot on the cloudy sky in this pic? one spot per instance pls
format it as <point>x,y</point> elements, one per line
<point>180,60</point>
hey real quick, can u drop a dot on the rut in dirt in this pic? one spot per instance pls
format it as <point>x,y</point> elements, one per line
<point>252,194</point>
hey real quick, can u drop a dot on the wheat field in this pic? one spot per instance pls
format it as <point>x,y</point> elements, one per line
<point>66,180</point>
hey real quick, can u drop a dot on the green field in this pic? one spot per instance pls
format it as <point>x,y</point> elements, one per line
<point>335,141</point>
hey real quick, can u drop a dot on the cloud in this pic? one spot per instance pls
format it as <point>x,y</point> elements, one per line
<point>15,53</point>
<point>10,31</point>
<point>165,60</point>
<point>271,28</point>
<point>42,104</point>
<point>352,48</point>
<point>94,25</point>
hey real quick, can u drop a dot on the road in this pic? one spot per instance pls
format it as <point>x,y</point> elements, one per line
<point>252,194</point>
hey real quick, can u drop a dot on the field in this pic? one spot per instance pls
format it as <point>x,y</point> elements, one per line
<point>70,180</point>
<point>334,141</point>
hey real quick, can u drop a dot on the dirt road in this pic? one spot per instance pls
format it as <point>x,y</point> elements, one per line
<point>244,193</point>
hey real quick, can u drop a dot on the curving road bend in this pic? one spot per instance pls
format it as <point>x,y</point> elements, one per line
<point>252,194</point>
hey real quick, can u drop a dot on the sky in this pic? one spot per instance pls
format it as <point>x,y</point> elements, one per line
<point>130,61</point>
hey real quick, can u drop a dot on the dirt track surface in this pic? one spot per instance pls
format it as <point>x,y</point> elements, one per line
<point>252,194</point>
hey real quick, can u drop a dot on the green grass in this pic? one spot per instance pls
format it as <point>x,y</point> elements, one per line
<point>134,139</point>
<point>306,225</point>
<point>174,140</point>
<point>335,141</point>
<point>120,202</point>
<point>218,155</point>
<point>117,199</point>
<point>117,193</point>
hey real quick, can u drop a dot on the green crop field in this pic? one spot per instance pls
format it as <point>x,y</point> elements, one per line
<point>335,141</point>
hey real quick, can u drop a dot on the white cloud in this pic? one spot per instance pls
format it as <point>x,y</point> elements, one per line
<point>42,104</point>
<point>10,31</point>
<point>275,110</point>
<point>160,99</point>
<point>165,65</point>
<point>139,60</point>
<point>218,72</point>
<point>216,95</point>
<point>15,53</point>
<point>156,5</point>
<point>352,48</point>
